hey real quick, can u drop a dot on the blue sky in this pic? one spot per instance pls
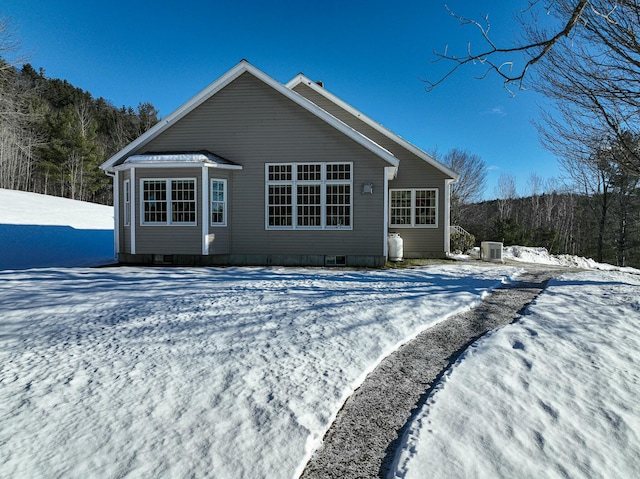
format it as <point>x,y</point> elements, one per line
<point>372,54</point>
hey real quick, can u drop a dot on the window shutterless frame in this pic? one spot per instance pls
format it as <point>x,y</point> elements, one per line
<point>168,202</point>
<point>218,208</point>
<point>126,187</point>
<point>413,208</point>
<point>309,196</point>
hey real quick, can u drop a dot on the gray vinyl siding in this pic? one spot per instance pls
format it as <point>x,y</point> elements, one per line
<point>171,239</point>
<point>251,124</point>
<point>413,172</point>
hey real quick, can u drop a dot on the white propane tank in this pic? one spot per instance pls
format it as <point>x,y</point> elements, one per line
<point>394,241</point>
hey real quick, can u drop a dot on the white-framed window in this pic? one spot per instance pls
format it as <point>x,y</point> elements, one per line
<point>413,208</point>
<point>218,202</point>
<point>127,202</point>
<point>309,195</point>
<point>168,201</point>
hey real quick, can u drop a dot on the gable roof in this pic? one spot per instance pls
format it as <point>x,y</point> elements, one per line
<point>318,88</point>
<point>223,81</point>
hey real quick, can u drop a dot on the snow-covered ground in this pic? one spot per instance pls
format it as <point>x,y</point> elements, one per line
<point>232,373</point>
<point>554,395</point>
<point>238,372</point>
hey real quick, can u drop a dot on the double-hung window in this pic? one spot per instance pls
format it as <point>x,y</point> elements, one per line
<point>168,201</point>
<point>218,202</point>
<point>414,208</point>
<point>309,195</point>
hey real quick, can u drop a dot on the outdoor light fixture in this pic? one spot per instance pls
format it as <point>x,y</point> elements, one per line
<point>367,188</point>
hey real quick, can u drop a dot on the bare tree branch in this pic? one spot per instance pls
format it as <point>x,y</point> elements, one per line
<point>588,65</point>
<point>537,50</point>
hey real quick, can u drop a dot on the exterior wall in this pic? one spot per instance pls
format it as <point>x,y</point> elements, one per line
<point>413,172</point>
<point>251,124</point>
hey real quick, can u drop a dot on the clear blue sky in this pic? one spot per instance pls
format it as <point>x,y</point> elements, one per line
<point>372,54</point>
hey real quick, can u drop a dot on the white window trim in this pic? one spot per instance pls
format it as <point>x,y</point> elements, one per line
<point>294,182</point>
<point>413,208</point>
<point>132,231</point>
<point>169,212</point>
<point>126,192</point>
<point>224,202</point>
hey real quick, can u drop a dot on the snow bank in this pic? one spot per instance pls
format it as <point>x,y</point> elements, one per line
<point>540,255</point>
<point>45,231</point>
<point>554,395</point>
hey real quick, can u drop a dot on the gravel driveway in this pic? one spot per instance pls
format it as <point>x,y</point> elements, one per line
<point>363,439</point>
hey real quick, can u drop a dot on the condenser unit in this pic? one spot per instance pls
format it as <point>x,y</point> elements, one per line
<point>491,251</point>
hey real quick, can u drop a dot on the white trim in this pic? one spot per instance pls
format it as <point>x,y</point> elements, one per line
<point>447,215</point>
<point>225,200</point>
<point>168,182</point>
<point>133,211</point>
<point>413,224</point>
<point>388,171</point>
<point>205,211</point>
<point>300,78</point>
<point>223,81</point>
<point>184,164</point>
<point>116,215</point>
<point>222,166</point>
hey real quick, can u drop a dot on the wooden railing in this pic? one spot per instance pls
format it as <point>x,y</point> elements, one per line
<point>459,230</point>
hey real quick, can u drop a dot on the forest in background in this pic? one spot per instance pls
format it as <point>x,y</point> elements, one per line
<point>54,136</point>
<point>607,230</point>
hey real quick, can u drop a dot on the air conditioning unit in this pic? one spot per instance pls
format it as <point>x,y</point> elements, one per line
<point>491,251</point>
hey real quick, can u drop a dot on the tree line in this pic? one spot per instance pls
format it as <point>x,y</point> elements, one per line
<point>54,136</point>
<point>595,213</point>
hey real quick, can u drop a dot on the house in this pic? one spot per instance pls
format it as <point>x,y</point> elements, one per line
<point>254,172</point>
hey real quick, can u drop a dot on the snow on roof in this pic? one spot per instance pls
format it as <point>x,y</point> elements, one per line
<point>205,158</point>
<point>155,158</point>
